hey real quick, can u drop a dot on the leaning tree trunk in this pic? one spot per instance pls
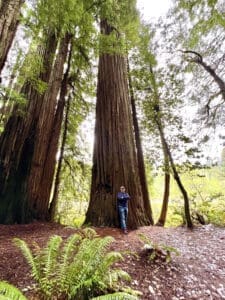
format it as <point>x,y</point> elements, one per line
<point>115,157</point>
<point>9,19</point>
<point>177,178</point>
<point>218,80</point>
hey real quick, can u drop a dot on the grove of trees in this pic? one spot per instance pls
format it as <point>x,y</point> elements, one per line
<point>159,91</point>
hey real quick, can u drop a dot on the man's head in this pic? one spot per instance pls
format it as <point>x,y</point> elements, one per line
<point>122,188</point>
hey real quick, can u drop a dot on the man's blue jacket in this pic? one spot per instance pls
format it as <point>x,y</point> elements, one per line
<point>122,199</point>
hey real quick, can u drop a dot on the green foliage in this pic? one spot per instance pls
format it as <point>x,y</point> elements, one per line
<point>12,96</point>
<point>77,268</point>
<point>158,251</point>
<point>116,296</point>
<point>206,189</point>
<point>10,292</point>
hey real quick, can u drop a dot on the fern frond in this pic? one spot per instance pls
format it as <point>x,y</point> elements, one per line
<point>67,255</point>
<point>10,292</point>
<point>116,296</point>
<point>87,260</point>
<point>111,257</point>
<point>89,233</point>
<point>117,274</point>
<point>48,261</point>
<point>49,255</point>
<point>29,257</point>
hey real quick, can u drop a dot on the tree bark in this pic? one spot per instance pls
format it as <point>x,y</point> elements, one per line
<point>22,156</point>
<point>177,179</point>
<point>140,156</point>
<point>58,123</point>
<point>218,80</point>
<point>163,214</point>
<point>46,141</point>
<point>9,20</point>
<point>114,158</point>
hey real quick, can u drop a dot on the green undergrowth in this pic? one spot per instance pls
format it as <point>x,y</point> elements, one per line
<point>80,267</point>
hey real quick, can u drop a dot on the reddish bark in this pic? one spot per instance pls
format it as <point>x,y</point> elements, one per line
<point>115,160</point>
<point>9,20</point>
<point>26,152</point>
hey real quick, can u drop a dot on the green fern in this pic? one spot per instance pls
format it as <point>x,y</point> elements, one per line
<point>80,267</point>
<point>116,296</point>
<point>35,270</point>
<point>10,292</point>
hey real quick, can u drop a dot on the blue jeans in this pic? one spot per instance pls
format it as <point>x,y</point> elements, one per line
<point>123,212</point>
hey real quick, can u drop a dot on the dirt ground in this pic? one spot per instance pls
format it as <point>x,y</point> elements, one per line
<point>197,273</point>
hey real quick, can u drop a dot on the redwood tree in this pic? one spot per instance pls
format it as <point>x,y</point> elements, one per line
<point>29,142</point>
<point>115,160</point>
<point>9,19</point>
<point>17,145</point>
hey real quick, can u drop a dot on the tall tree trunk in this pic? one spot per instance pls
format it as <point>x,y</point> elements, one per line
<point>140,156</point>
<point>17,145</point>
<point>57,126</point>
<point>163,214</point>
<point>9,19</point>
<point>177,179</point>
<point>43,162</point>
<point>114,158</point>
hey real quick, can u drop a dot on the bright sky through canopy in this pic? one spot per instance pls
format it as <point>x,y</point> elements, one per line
<point>153,8</point>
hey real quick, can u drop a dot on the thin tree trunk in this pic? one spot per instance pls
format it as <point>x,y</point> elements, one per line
<point>58,122</point>
<point>163,214</point>
<point>218,80</point>
<point>140,156</point>
<point>114,158</point>
<point>177,179</point>
<point>9,19</point>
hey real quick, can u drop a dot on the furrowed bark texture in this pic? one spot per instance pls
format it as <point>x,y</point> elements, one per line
<point>46,142</point>
<point>28,144</point>
<point>9,19</point>
<point>115,157</point>
<point>140,156</point>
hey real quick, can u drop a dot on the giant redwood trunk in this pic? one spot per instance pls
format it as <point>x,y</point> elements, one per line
<point>9,19</point>
<point>115,156</point>
<point>25,142</point>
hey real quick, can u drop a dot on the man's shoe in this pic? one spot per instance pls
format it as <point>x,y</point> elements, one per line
<point>125,231</point>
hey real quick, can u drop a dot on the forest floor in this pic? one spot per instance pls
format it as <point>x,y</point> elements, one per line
<point>197,273</point>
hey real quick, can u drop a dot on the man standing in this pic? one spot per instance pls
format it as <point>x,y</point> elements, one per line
<point>122,204</point>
